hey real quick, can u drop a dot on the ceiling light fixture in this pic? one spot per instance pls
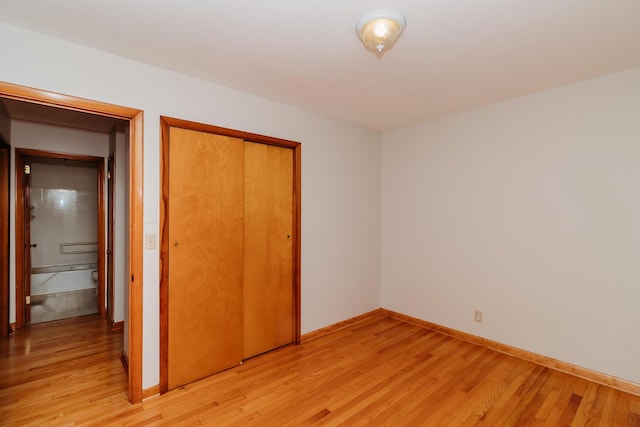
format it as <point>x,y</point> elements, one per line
<point>380,28</point>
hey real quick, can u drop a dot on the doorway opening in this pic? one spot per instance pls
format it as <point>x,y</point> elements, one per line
<point>63,207</point>
<point>69,105</point>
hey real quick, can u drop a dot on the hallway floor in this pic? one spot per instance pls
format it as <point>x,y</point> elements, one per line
<point>51,372</point>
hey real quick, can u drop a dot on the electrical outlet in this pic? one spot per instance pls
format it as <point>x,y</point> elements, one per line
<point>149,241</point>
<point>478,316</point>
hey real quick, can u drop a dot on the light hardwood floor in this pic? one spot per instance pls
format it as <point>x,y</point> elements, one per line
<point>379,372</point>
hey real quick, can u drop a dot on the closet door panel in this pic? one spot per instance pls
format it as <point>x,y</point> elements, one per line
<point>205,254</point>
<point>268,248</point>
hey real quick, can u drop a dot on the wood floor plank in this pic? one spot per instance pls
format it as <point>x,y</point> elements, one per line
<point>378,372</point>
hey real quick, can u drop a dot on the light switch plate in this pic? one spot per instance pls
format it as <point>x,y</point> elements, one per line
<point>149,241</point>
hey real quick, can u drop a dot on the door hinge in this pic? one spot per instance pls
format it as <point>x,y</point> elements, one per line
<point>108,174</point>
<point>27,169</point>
<point>27,299</point>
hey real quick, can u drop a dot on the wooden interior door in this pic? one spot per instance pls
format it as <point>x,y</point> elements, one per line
<point>268,248</point>
<point>205,217</point>
<point>26,272</point>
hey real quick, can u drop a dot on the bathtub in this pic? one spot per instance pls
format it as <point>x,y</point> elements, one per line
<point>62,278</point>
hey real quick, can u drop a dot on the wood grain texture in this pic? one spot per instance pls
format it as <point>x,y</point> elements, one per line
<point>4,237</point>
<point>234,133</point>
<point>19,249</point>
<point>135,118</point>
<point>124,359</point>
<point>297,243</point>
<point>378,312</point>
<point>268,248</point>
<point>578,371</point>
<point>164,254</point>
<point>55,99</point>
<point>25,274</point>
<point>379,371</point>
<point>117,325</point>
<point>205,254</point>
<point>51,370</point>
<point>135,255</point>
<point>167,123</point>
<point>151,392</point>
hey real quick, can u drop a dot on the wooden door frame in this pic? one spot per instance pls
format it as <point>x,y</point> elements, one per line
<point>5,182</point>
<point>165,124</point>
<point>21,220</point>
<point>135,119</point>
<point>23,235</point>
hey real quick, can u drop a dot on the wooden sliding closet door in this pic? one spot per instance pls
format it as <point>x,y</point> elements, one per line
<point>268,247</point>
<point>205,254</point>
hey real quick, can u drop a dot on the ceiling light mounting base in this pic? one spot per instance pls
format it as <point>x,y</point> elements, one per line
<point>380,28</point>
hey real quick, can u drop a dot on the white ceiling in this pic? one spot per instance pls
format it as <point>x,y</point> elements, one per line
<point>453,55</point>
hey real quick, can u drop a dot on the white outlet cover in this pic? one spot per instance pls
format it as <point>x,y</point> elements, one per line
<point>149,241</point>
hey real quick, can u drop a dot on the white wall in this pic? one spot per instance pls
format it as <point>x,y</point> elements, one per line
<point>38,136</point>
<point>528,210</point>
<point>340,168</point>
<point>119,149</point>
<point>121,227</point>
<point>123,173</point>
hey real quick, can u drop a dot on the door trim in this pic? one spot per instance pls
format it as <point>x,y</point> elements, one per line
<point>135,118</point>
<point>5,181</point>
<point>21,250</point>
<point>165,124</point>
<point>19,242</point>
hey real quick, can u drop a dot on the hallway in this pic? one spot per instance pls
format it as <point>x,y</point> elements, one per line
<point>53,369</point>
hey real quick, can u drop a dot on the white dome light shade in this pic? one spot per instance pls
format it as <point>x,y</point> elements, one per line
<point>380,28</point>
